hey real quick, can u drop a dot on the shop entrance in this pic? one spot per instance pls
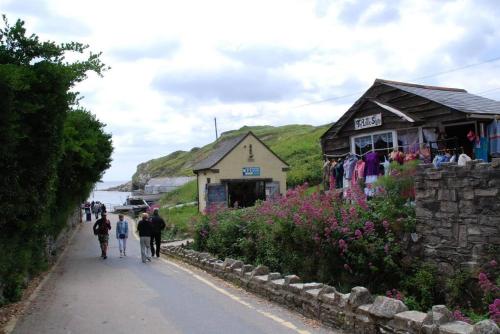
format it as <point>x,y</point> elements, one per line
<point>460,132</point>
<point>244,193</point>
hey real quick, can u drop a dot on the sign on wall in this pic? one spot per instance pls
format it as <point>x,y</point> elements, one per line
<point>368,122</point>
<point>251,171</point>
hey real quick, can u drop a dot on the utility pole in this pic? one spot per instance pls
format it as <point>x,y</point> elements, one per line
<point>216,134</point>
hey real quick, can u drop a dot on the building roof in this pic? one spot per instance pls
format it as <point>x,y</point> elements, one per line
<point>224,148</point>
<point>455,98</point>
<point>169,181</point>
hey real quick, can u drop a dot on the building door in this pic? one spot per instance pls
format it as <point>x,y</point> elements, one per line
<point>245,193</point>
<point>460,132</point>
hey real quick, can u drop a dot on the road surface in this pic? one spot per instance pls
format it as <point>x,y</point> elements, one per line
<point>86,294</point>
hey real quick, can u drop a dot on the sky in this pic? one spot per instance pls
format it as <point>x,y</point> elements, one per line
<point>177,65</point>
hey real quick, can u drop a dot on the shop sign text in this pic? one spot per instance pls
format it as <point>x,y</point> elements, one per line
<point>367,122</point>
<point>251,171</point>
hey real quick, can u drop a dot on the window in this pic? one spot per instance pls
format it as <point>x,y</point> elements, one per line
<point>380,142</point>
<point>408,140</point>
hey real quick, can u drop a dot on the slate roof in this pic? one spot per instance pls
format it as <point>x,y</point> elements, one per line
<point>458,99</point>
<point>220,152</point>
<point>224,148</point>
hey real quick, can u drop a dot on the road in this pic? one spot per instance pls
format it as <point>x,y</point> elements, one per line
<point>85,294</point>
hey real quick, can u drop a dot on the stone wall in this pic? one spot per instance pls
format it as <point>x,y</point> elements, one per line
<point>355,312</point>
<point>54,246</point>
<point>458,213</point>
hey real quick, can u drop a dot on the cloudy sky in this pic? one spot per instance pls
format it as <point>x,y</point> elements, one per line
<point>178,64</point>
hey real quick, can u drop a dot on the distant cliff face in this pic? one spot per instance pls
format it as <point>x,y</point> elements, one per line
<point>298,145</point>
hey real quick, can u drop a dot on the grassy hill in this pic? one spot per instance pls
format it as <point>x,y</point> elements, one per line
<point>298,145</point>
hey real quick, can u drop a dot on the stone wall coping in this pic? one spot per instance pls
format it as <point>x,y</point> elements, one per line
<point>356,311</point>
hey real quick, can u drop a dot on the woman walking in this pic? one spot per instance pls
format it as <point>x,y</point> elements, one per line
<point>122,235</point>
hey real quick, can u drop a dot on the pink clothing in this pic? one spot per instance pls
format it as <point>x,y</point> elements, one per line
<point>359,172</point>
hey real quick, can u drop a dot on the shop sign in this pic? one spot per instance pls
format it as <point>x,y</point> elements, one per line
<point>368,122</point>
<point>251,171</point>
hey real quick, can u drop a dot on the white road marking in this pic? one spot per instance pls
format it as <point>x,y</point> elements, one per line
<point>230,295</point>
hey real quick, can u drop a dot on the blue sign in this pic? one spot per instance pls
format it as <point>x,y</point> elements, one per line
<point>251,171</point>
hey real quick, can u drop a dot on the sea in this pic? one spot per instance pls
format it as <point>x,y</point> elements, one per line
<point>109,198</point>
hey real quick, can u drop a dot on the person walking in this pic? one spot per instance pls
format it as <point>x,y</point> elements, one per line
<point>145,231</point>
<point>157,226</point>
<point>122,235</point>
<point>88,213</point>
<point>101,229</point>
<point>97,209</point>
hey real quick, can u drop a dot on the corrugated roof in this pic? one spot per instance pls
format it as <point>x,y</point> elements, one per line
<point>219,152</point>
<point>458,99</point>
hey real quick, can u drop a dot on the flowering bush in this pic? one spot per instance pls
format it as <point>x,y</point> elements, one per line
<point>318,236</point>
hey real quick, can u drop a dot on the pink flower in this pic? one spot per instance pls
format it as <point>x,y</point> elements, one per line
<point>493,263</point>
<point>358,234</point>
<point>369,227</point>
<point>386,225</point>
<point>460,317</point>
<point>342,245</point>
<point>494,311</point>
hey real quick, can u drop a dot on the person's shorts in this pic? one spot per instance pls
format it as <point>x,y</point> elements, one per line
<point>103,238</point>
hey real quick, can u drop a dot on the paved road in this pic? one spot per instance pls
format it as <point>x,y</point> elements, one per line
<point>85,294</point>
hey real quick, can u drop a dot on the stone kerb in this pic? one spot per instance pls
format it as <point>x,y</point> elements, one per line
<point>458,212</point>
<point>357,311</point>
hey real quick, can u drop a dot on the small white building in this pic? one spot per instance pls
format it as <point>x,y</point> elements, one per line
<point>238,172</point>
<point>160,185</point>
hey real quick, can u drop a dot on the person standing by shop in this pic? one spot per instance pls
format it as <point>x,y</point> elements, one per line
<point>145,231</point>
<point>122,235</point>
<point>101,229</point>
<point>157,226</point>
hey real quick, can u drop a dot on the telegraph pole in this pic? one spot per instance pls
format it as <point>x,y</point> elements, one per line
<point>216,134</point>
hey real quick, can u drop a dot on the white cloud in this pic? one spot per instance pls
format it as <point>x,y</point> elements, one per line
<point>177,65</point>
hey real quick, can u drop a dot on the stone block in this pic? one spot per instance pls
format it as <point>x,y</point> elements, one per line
<point>384,307</point>
<point>228,262</point>
<point>273,276</point>
<point>434,175</point>
<point>290,279</point>
<point>247,268</point>
<point>277,283</point>
<point>486,326</point>
<point>236,264</point>
<point>359,295</point>
<point>409,321</point>
<point>450,207</point>
<point>311,286</point>
<point>438,315</point>
<point>486,192</point>
<point>294,287</point>
<point>260,270</point>
<point>455,327</point>
<point>422,213</point>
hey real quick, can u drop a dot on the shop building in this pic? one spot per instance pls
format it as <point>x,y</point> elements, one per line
<point>239,172</point>
<point>396,116</point>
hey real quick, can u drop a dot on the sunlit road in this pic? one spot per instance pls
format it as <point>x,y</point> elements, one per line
<point>122,295</point>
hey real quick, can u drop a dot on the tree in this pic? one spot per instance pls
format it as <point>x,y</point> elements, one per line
<point>35,102</point>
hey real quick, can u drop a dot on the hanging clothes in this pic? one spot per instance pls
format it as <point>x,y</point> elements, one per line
<point>481,149</point>
<point>463,158</point>
<point>339,174</point>
<point>331,174</point>
<point>349,165</point>
<point>387,166</point>
<point>359,172</point>
<point>494,138</point>
<point>372,164</point>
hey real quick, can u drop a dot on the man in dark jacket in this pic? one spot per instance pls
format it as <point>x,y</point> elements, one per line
<point>157,225</point>
<point>145,230</point>
<point>101,229</point>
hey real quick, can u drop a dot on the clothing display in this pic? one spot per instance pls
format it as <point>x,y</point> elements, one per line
<point>359,172</point>
<point>372,164</point>
<point>349,164</point>
<point>369,188</point>
<point>339,174</point>
<point>481,149</point>
<point>463,158</point>
<point>494,138</point>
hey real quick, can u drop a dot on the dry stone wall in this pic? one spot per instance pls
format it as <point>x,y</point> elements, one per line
<point>458,213</point>
<point>355,312</point>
